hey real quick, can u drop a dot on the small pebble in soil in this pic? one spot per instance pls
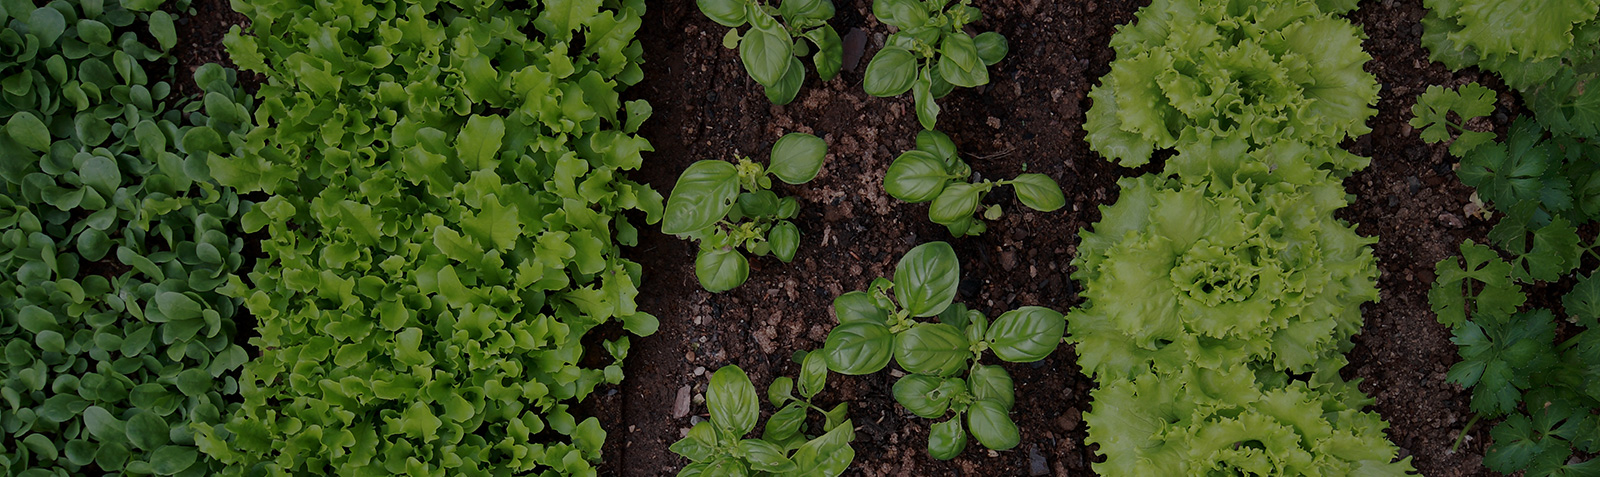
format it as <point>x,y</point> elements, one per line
<point>1037,465</point>
<point>680,407</point>
<point>1450,220</point>
<point>699,370</point>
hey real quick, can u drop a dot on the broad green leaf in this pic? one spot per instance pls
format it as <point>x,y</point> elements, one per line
<point>702,196</point>
<point>101,173</point>
<point>829,58</point>
<point>858,306</point>
<point>1039,192</point>
<point>859,347</point>
<point>813,374</point>
<point>991,425</point>
<point>786,423</point>
<point>767,49</point>
<point>992,383</point>
<point>917,392</point>
<point>958,200</point>
<point>785,240</point>
<point>27,129</point>
<point>46,24</point>
<point>721,270</point>
<point>161,27</point>
<point>787,88</point>
<point>478,144</point>
<point>925,279</point>
<point>902,14</point>
<point>142,5</point>
<point>170,460</point>
<point>991,47</point>
<point>932,348</point>
<point>959,62</point>
<point>765,457</point>
<point>891,72</point>
<point>93,32</point>
<point>700,445</point>
<point>1026,334</point>
<point>177,306</point>
<point>939,145</point>
<point>947,439</point>
<point>916,176</point>
<point>147,431</point>
<point>797,157</point>
<point>728,13</point>
<point>926,106</point>
<point>731,399</point>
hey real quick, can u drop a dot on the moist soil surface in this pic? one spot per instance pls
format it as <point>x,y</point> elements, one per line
<point>1028,119</point>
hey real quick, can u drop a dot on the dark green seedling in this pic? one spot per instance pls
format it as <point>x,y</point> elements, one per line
<point>707,205</point>
<point>934,172</point>
<point>717,447</point>
<point>945,378</point>
<point>769,49</point>
<point>932,53</point>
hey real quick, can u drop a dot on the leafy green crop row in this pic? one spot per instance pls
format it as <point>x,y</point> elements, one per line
<point>1222,293</point>
<point>115,244</point>
<point>444,213</point>
<point>1535,368</point>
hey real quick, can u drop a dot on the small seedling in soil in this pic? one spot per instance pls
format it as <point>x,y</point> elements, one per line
<point>934,172</point>
<point>706,205</point>
<point>717,447</point>
<point>945,377</point>
<point>769,50</point>
<point>932,53</point>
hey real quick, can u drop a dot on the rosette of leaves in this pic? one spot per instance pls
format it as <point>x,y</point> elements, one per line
<point>771,49</point>
<point>1235,421</point>
<point>946,378</point>
<point>445,194</point>
<point>931,53</point>
<point>718,446</point>
<point>712,199</point>
<point>115,245</point>
<point>1528,42</point>
<point>1543,383</point>
<point>935,172</point>
<point>1263,71</point>
<point>1221,274</point>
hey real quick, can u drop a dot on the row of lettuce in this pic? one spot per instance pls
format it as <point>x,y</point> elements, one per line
<point>1535,365</point>
<point>441,190</point>
<point>1222,293</point>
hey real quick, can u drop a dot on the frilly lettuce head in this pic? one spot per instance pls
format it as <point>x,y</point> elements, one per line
<point>1230,422</point>
<point>1526,41</point>
<point>1250,266</point>
<point>1256,70</point>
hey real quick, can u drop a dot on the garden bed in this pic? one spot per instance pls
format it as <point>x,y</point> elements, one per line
<point>1029,118</point>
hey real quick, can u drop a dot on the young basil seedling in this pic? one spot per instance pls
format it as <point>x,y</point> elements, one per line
<point>717,447</point>
<point>707,205</point>
<point>934,172</point>
<point>769,50</point>
<point>931,54</point>
<point>881,324</point>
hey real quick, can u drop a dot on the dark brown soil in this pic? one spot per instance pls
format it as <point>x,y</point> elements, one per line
<point>1029,118</point>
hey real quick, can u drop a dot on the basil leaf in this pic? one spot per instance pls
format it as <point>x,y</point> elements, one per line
<point>785,423</point>
<point>916,393</point>
<point>703,195</point>
<point>992,383</point>
<point>699,446</point>
<point>721,270</point>
<point>728,13</point>
<point>947,439</point>
<point>932,348</point>
<point>765,457</point>
<point>925,279</point>
<point>959,62</point>
<point>938,144</point>
<point>1039,192</point>
<point>766,49</point>
<point>991,424</point>
<point>797,157</point>
<point>860,347</point>
<point>957,201</point>
<point>916,176</point>
<point>902,14</point>
<point>784,91</point>
<point>891,72</point>
<point>830,51</point>
<point>858,306</point>
<point>785,240</point>
<point>731,399</point>
<point>1026,334</point>
<point>813,374</point>
<point>991,47</point>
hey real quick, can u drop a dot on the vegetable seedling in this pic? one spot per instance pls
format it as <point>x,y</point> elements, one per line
<point>769,48</point>
<point>945,377</point>
<point>934,172</point>
<point>932,53</point>
<point>707,205</point>
<point>717,447</point>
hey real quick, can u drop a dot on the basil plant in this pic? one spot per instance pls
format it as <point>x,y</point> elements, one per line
<point>707,205</point>
<point>718,448</point>
<point>942,358</point>
<point>934,172</point>
<point>932,53</point>
<point>771,49</point>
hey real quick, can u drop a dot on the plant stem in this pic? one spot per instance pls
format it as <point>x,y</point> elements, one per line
<point>1463,436</point>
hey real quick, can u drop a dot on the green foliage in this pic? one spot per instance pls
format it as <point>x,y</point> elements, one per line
<point>115,244</point>
<point>771,49</point>
<point>707,206</point>
<point>718,446</point>
<point>881,324</point>
<point>1261,71</point>
<point>1527,42</point>
<point>935,172</point>
<point>931,53</point>
<point>444,215</point>
<point>1431,115</point>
